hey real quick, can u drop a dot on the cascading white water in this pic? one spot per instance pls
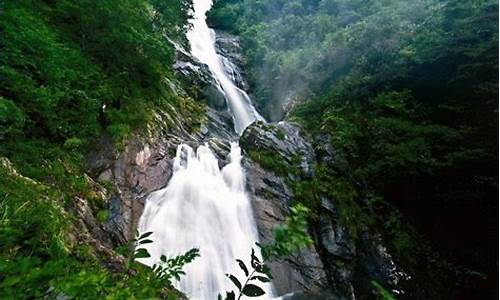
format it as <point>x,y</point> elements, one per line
<point>207,208</point>
<point>202,41</point>
<point>202,206</point>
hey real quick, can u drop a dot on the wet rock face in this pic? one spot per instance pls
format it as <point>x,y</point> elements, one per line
<point>272,199</point>
<point>198,78</point>
<point>228,47</point>
<point>343,263</point>
<point>146,165</point>
<point>283,138</point>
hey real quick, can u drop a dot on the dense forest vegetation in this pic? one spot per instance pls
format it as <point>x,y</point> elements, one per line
<point>72,71</point>
<point>407,93</point>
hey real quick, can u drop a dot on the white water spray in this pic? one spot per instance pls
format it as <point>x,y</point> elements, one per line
<point>202,41</point>
<point>202,206</point>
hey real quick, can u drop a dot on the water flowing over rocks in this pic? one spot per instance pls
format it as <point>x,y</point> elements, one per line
<point>229,48</point>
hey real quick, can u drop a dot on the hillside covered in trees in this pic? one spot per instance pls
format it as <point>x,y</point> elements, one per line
<point>71,72</point>
<point>407,94</point>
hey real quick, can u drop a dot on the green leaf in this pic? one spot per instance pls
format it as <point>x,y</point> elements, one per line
<point>171,296</point>
<point>261,278</point>
<point>163,258</point>
<point>230,296</point>
<point>145,235</point>
<point>263,269</point>
<point>242,266</point>
<point>142,242</point>
<point>251,290</point>
<point>235,281</point>
<point>141,253</point>
<point>255,260</point>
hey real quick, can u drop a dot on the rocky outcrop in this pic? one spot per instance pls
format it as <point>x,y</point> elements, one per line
<point>353,261</point>
<point>272,199</point>
<point>343,262</point>
<point>198,80</point>
<point>228,47</point>
<point>144,165</point>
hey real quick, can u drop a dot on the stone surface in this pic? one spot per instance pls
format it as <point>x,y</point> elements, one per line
<point>272,199</point>
<point>341,265</point>
<point>228,47</point>
<point>283,138</point>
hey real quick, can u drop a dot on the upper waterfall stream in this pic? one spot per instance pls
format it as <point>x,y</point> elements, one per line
<point>202,41</point>
<point>203,206</point>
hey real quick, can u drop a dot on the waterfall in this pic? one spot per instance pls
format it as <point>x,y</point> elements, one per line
<point>206,208</point>
<point>202,41</point>
<point>203,206</point>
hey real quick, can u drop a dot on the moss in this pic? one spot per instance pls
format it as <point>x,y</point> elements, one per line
<point>280,134</point>
<point>270,160</point>
<point>172,152</point>
<point>383,293</point>
<point>102,216</point>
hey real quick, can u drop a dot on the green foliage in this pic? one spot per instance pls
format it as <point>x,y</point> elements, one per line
<point>382,292</point>
<point>280,134</point>
<point>302,47</point>
<point>11,119</point>
<point>259,272</point>
<point>167,269</point>
<point>169,16</point>
<point>72,69</point>
<point>270,160</point>
<point>171,268</point>
<point>32,217</point>
<point>291,236</point>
